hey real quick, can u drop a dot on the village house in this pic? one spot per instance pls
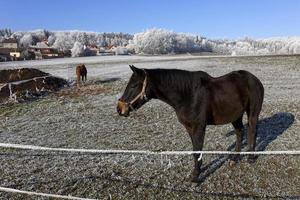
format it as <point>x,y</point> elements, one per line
<point>106,50</point>
<point>94,49</point>
<point>9,43</point>
<point>9,50</point>
<point>43,51</point>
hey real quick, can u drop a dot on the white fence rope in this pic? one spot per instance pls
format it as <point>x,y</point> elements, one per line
<point>112,151</point>
<point>109,151</point>
<point>27,80</point>
<point>4,189</point>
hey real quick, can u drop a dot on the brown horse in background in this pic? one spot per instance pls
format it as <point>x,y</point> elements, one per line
<point>199,100</point>
<point>81,72</point>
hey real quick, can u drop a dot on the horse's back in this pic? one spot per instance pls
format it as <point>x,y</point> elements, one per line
<point>242,79</point>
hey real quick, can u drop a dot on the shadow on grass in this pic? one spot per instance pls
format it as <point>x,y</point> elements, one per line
<point>268,129</point>
<point>109,80</point>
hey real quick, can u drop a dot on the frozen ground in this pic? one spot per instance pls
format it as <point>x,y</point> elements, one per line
<point>71,120</point>
<point>108,66</point>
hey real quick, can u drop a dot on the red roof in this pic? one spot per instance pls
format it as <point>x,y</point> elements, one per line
<point>9,40</point>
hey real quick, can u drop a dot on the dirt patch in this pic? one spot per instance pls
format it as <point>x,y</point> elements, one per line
<point>86,90</point>
<point>17,85</point>
<point>12,75</point>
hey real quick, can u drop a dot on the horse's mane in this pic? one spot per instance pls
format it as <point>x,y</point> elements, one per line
<point>180,80</point>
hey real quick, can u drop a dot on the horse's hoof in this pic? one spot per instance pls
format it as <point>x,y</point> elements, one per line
<point>251,159</point>
<point>195,179</point>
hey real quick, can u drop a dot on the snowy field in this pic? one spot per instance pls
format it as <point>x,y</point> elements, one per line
<point>98,66</point>
<point>89,120</point>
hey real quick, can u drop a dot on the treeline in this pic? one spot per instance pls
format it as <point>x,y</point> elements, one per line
<point>65,40</point>
<point>155,41</point>
<point>5,33</point>
<point>269,46</point>
<point>161,41</point>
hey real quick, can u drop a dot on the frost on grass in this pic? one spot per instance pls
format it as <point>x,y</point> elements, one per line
<point>86,118</point>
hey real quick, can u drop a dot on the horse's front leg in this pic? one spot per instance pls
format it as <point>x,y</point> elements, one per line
<point>82,79</point>
<point>197,135</point>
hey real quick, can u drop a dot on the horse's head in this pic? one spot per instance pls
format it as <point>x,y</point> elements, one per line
<point>134,95</point>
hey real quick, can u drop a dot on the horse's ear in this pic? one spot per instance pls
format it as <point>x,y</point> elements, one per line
<point>136,70</point>
<point>133,68</point>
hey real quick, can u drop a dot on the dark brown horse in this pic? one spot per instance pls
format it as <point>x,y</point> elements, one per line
<point>81,72</point>
<point>199,100</point>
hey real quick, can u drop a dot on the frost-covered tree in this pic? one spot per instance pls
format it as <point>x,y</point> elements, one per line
<point>51,39</point>
<point>247,46</point>
<point>5,33</point>
<point>154,41</point>
<point>161,41</point>
<point>77,50</point>
<point>63,41</point>
<point>26,40</point>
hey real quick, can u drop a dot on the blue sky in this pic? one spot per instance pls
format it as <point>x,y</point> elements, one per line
<point>211,18</point>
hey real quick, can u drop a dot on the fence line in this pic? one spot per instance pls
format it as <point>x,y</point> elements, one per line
<point>10,190</point>
<point>27,80</point>
<point>112,151</point>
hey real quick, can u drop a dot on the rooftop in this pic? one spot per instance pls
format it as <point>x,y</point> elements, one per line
<point>9,40</point>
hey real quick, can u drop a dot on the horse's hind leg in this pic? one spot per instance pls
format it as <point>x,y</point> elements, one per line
<point>84,78</point>
<point>238,126</point>
<point>78,80</point>
<point>253,113</point>
<point>253,109</point>
<point>252,120</point>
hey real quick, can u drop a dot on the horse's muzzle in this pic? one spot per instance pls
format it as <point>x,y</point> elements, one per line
<point>123,109</point>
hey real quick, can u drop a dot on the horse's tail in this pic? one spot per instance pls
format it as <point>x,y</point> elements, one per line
<point>256,97</point>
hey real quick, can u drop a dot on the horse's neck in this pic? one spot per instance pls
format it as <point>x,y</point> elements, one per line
<point>171,94</point>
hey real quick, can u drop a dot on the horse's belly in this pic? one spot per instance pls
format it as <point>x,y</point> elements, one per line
<point>227,115</point>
